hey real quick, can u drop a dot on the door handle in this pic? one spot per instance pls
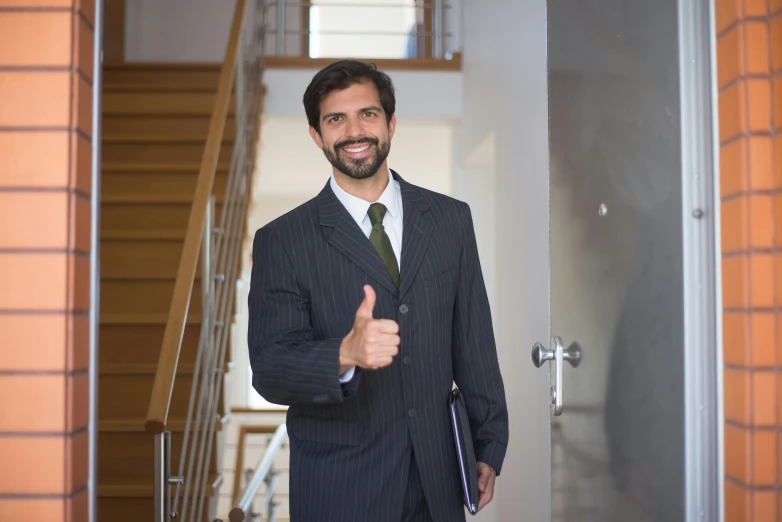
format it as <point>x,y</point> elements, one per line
<point>557,354</point>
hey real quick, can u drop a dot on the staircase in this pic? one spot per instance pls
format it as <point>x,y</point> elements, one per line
<point>155,123</point>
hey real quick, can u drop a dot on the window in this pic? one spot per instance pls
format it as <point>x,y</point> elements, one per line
<point>359,29</point>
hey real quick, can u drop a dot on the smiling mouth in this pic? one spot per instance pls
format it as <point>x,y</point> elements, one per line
<point>356,150</point>
<point>361,150</point>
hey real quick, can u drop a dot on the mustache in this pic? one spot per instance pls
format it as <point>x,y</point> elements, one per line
<point>348,143</point>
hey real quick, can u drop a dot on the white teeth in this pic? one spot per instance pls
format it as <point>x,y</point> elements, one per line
<point>360,149</point>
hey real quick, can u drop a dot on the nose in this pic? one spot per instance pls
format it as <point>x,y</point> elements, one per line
<point>354,129</point>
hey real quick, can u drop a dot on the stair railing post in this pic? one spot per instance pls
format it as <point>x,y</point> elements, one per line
<point>162,474</point>
<point>280,51</point>
<point>438,36</point>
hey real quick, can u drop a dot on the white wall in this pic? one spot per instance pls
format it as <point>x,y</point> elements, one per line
<point>419,94</point>
<point>503,174</point>
<point>177,30</point>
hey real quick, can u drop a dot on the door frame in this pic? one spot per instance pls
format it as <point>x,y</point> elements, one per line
<point>701,248</point>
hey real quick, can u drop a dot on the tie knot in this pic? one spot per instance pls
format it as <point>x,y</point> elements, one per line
<point>376,212</point>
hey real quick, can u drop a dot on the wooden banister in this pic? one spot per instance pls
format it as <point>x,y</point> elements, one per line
<point>160,401</point>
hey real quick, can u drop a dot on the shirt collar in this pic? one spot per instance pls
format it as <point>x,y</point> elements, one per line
<point>358,207</point>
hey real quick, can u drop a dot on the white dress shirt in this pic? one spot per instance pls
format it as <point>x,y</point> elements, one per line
<point>392,222</point>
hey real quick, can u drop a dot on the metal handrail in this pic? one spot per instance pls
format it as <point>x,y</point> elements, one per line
<point>263,474</point>
<point>220,248</point>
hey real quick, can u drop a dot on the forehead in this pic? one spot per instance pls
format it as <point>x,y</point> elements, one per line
<point>355,97</point>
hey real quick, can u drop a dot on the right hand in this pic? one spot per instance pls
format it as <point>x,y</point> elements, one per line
<point>372,343</point>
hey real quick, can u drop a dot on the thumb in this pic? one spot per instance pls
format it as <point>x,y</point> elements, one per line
<point>368,304</point>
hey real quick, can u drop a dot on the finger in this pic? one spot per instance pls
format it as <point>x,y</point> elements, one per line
<point>380,361</point>
<point>367,306</point>
<point>485,498</point>
<point>386,326</point>
<point>386,340</point>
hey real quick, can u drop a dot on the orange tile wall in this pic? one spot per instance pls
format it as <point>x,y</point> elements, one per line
<point>46,59</point>
<point>749,53</point>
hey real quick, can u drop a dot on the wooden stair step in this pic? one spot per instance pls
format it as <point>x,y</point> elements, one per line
<point>141,319</point>
<point>170,167</point>
<point>162,128</point>
<point>133,343</point>
<point>159,152</point>
<point>130,454</point>
<point>158,198</point>
<point>148,216</point>
<point>128,396</point>
<point>131,488</point>
<point>176,185</point>
<point>137,425</point>
<point>141,259</point>
<point>148,235</point>
<point>134,103</point>
<point>153,86</point>
<point>167,76</point>
<point>143,296</point>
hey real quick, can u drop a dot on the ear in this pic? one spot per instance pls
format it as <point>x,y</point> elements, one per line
<point>392,126</point>
<point>316,137</point>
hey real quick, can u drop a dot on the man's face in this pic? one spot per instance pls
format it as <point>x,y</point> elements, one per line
<point>354,134</point>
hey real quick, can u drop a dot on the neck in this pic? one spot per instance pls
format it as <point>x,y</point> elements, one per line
<point>368,189</point>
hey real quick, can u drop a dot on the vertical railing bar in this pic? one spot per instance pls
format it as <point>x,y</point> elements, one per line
<point>217,373</point>
<point>199,379</point>
<point>437,32</point>
<point>222,351</point>
<point>206,263</point>
<point>236,158</point>
<point>210,418</point>
<point>162,471</point>
<point>280,28</point>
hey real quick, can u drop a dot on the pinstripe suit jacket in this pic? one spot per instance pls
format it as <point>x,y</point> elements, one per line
<point>350,443</point>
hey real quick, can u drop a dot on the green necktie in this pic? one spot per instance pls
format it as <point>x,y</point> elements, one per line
<point>380,241</point>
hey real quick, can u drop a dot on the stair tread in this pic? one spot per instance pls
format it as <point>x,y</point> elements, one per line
<point>179,166</point>
<point>130,487</point>
<point>154,197</point>
<point>129,234</point>
<point>160,139</point>
<point>155,87</point>
<point>142,319</point>
<point>165,66</point>
<point>137,425</point>
<point>139,368</point>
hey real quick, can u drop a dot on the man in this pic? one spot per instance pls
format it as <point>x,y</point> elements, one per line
<point>367,304</point>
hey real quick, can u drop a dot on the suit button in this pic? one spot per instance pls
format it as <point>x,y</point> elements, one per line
<point>411,412</point>
<point>403,308</point>
<point>407,360</point>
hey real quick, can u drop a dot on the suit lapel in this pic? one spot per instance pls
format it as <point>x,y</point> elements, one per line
<point>344,234</point>
<point>417,229</point>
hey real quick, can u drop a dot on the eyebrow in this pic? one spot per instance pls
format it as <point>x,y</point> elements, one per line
<point>365,109</point>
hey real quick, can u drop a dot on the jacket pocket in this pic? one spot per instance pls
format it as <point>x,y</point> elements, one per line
<point>439,278</point>
<point>325,430</point>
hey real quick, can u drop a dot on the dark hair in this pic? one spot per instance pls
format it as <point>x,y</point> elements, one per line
<point>341,75</point>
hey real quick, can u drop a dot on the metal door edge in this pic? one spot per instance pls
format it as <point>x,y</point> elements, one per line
<point>701,262</point>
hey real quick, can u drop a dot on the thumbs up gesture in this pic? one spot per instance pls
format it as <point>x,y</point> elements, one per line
<point>372,343</point>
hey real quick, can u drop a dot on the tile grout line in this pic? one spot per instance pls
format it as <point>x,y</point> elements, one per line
<point>774,272</point>
<point>748,276</point>
<point>70,281</point>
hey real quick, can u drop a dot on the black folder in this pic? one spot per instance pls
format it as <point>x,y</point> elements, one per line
<point>465,453</point>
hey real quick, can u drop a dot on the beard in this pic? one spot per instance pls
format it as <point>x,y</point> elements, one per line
<point>361,168</point>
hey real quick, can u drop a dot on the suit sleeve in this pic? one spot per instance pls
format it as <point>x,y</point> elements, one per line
<point>289,365</point>
<point>475,364</point>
